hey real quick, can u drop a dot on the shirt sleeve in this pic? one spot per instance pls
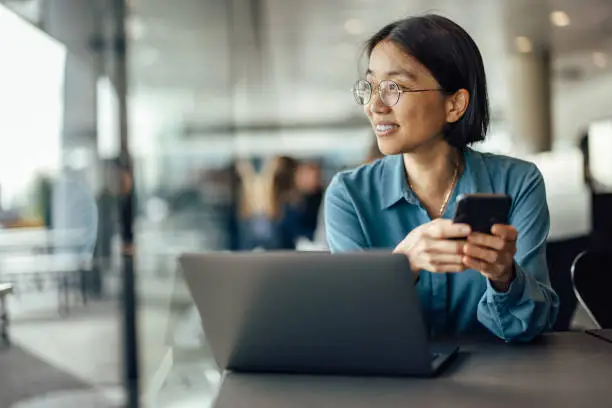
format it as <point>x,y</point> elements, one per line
<point>530,305</point>
<point>342,226</point>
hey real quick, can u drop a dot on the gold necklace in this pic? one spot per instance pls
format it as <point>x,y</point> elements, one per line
<point>448,191</point>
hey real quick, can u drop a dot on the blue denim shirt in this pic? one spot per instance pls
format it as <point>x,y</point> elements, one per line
<point>373,207</point>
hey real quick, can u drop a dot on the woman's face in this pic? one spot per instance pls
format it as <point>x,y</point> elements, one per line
<point>418,118</point>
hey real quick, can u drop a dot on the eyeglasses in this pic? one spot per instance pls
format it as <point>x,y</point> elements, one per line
<point>388,91</point>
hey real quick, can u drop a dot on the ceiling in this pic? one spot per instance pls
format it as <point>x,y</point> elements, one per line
<point>202,62</point>
<point>308,59</point>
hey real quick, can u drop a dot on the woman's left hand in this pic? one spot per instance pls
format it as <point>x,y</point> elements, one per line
<point>493,255</point>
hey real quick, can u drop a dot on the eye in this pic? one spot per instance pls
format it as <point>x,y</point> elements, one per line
<point>406,87</point>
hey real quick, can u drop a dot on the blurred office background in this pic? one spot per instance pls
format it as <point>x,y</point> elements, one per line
<point>215,102</point>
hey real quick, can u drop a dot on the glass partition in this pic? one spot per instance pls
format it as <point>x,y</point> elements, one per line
<point>63,343</point>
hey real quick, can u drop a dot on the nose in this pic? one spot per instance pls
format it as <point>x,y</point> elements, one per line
<point>376,105</point>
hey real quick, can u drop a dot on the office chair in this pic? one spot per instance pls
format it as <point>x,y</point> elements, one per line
<point>592,280</point>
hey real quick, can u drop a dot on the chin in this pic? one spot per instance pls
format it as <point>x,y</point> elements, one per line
<point>388,150</point>
<point>390,147</point>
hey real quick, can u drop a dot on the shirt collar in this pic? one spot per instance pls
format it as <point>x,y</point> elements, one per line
<point>395,183</point>
<point>476,174</point>
<point>475,178</point>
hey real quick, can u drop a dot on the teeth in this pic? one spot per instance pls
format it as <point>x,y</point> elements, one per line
<point>384,128</point>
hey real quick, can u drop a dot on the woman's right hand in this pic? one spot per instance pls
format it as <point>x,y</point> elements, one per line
<point>430,246</point>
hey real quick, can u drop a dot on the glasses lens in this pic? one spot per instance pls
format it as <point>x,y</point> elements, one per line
<point>362,92</point>
<point>389,93</point>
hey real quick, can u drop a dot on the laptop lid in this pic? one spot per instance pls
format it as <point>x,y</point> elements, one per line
<point>305,312</point>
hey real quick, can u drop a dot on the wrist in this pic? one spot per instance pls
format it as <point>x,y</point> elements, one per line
<point>503,283</point>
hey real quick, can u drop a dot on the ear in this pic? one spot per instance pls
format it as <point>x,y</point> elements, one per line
<point>456,105</point>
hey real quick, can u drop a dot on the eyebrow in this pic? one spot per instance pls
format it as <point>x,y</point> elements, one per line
<point>396,72</point>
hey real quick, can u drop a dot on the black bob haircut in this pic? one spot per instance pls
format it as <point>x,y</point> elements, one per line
<point>453,58</point>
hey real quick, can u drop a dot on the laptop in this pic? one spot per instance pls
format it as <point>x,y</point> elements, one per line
<point>312,313</point>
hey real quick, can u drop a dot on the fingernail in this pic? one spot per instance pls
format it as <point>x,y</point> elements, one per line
<point>465,229</point>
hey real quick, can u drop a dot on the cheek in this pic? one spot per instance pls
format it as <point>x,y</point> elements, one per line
<point>407,113</point>
<point>437,108</point>
<point>423,113</point>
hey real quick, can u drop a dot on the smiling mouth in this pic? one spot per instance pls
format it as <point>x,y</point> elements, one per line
<point>385,129</point>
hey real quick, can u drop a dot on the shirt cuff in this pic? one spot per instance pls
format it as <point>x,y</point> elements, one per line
<point>514,292</point>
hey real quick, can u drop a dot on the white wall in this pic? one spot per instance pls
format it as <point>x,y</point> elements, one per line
<point>31,105</point>
<point>569,200</point>
<point>575,105</point>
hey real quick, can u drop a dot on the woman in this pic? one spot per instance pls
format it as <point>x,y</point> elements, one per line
<point>425,95</point>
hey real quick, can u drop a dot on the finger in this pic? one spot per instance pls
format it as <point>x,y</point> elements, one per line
<point>481,253</point>
<point>444,259</point>
<point>479,265</point>
<point>487,240</point>
<point>447,229</point>
<point>442,246</point>
<point>489,270</point>
<point>444,268</point>
<point>507,232</point>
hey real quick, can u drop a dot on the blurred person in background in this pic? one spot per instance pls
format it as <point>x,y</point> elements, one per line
<point>75,218</point>
<point>126,194</point>
<point>309,185</point>
<point>426,97</point>
<point>73,209</point>
<point>264,200</point>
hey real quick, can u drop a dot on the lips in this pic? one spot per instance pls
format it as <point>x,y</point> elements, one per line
<point>385,128</point>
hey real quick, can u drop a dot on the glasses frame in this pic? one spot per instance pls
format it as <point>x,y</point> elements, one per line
<point>401,89</point>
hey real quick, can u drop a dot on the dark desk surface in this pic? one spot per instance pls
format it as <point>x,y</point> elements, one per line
<point>559,370</point>
<point>604,334</point>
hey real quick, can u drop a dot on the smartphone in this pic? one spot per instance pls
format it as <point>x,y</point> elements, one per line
<point>482,211</point>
